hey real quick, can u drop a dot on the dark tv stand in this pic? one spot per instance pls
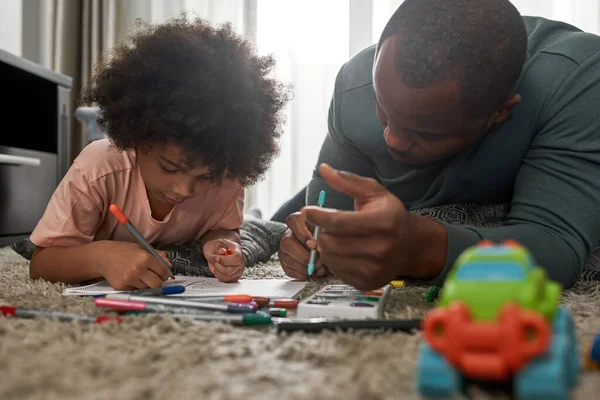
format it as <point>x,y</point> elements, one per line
<point>35,152</point>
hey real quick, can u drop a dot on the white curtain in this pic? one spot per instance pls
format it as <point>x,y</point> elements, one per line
<point>311,39</point>
<point>157,11</point>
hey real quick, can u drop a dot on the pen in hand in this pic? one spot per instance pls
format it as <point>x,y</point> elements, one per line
<point>313,253</point>
<point>138,236</point>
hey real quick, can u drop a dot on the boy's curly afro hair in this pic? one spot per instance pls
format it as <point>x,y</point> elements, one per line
<point>200,87</point>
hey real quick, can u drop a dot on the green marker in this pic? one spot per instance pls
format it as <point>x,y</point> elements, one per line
<point>432,293</point>
<point>240,319</point>
<point>313,253</point>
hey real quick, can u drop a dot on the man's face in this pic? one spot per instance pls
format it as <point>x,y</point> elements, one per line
<point>167,178</point>
<point>421,126</point>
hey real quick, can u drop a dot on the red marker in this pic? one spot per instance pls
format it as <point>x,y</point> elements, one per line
<point>230,298</point>
<point>138,236</point>
<point>62,316</point>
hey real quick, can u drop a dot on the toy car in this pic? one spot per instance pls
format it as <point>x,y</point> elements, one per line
<point>498,320</point>
<point>592,354</point>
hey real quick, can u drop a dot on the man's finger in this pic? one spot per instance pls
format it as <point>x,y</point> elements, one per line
<point>297,225</point>
<point>352,271</point>
<point>293,268</point>
<point>349,183</point>
<point>348,223</point>
<point>321,271</point>
<point>295,250</point>
<point>353,246</point>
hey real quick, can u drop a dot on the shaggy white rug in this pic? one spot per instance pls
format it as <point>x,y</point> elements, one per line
<point>158,358</point>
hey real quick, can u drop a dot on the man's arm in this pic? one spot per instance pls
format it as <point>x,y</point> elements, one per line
<point>339,152</point>
<point>555,210</point>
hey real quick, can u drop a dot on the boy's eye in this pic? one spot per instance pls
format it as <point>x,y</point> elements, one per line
<point>167,170</point>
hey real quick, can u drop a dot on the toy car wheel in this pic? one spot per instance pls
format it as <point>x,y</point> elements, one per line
<point>436,378</point>
<point>547,377</point>
<point>564,325</point>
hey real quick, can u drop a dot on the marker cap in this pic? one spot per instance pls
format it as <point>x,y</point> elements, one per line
<point>257,319</point>
<point>322,197</point>
<point>7,310</point>
<point>173,289</point>
<point>118,213</point>
<point>288,303</point>
<point>261,301</point>
<point>105,318</point>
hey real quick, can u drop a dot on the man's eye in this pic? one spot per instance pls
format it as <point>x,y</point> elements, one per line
<point>428,136</point>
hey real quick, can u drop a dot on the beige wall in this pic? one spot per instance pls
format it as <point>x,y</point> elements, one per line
<point>11,37</point>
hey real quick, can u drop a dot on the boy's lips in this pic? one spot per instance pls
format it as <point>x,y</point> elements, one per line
<point>173,201</point>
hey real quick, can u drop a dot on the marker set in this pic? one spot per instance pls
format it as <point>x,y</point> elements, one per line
<point>344,301</point>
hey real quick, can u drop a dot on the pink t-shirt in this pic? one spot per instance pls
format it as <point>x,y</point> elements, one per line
<point>100,176</point>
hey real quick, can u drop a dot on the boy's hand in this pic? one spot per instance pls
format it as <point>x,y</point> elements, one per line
<point>225,259</point>
<point>128,266</point>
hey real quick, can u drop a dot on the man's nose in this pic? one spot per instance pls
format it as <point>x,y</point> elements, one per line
<point>397,141</point>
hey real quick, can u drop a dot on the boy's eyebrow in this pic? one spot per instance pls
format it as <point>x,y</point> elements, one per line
<point>169,162</point>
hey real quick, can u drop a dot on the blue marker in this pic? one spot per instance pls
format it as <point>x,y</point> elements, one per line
<point>161,291</point>
<point>313,253</point>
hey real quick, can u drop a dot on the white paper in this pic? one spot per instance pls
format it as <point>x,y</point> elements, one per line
<point>197,286</point>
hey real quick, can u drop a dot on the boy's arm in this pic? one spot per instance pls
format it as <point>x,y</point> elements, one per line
<point>125,265</point>
<point>70,265</point>
<point>232,235</point>
<point>65,251</point>
<point>229,224</point>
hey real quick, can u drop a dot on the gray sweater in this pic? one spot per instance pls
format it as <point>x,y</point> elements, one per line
<point>544,159</point>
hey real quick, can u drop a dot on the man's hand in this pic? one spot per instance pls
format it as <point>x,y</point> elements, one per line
<point>225,259</point>
<point>295,247</point>
<point>380,240</point>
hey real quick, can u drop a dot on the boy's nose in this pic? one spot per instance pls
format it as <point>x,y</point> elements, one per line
<point>184,189</point>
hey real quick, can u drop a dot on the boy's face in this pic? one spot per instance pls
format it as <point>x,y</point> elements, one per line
<point>168,179</point>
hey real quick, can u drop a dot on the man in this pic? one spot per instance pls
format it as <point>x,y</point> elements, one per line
<point>460,102</point>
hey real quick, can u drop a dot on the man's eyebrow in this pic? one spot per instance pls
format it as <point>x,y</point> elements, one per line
<point>427,134</point>
<point>416,132</point>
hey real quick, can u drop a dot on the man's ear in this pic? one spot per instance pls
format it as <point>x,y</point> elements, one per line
<point>505,109</point>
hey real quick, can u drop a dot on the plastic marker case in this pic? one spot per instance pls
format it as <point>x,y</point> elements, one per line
<point>344,301</point>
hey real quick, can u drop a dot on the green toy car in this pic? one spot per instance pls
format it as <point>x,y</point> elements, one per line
<point>508,272</point>
<point>498,319</point>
